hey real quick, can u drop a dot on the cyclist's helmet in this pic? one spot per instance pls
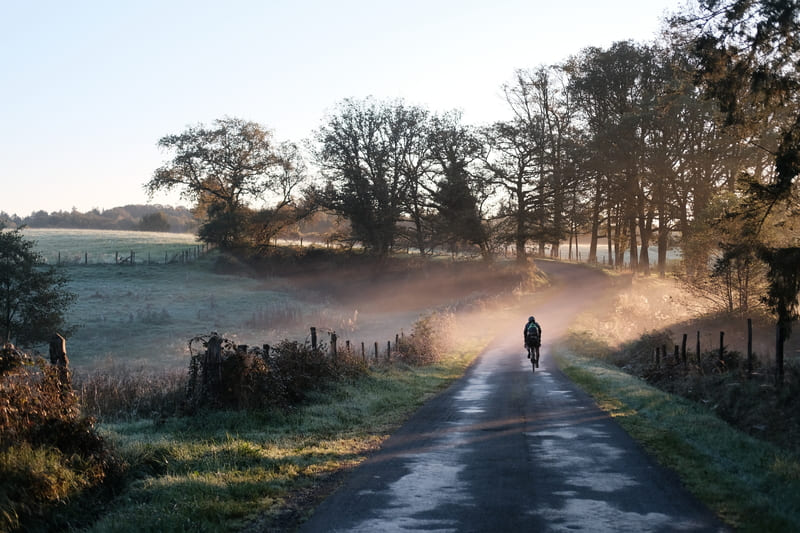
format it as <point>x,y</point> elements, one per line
<point>531,319</point>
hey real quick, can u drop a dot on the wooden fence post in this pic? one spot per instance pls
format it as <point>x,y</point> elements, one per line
<point>58,351</point>
<point>722,347</point>
<point>363,352</point>
<point>333,343</point>
<point>699,362</point>
<point>313,338</point>
<point>388,350</point>
<point>683,349</point>
<point>779,353</point>
<point>749,348</point>
<point>376,350</point>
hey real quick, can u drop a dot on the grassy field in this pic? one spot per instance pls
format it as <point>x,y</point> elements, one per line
<point>104,246</point>
<point>144,315</point>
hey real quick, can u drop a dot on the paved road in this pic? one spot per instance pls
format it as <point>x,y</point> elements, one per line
<point>506,449</point>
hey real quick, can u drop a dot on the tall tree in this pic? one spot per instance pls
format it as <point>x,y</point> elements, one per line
<point>370,154</point>
<point>512,164</point>
<point>614,90</point>
<point>460,189</point>
<point>540,99</point>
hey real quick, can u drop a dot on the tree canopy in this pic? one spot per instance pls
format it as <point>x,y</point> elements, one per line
<point>225,169</point>
<point>33,298</point>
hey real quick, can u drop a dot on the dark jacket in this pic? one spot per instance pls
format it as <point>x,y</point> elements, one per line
<point>525,330</point>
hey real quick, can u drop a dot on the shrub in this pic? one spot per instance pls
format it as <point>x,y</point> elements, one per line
<point>227,376</point>
<point>48,451</point>
<point>431,336</point>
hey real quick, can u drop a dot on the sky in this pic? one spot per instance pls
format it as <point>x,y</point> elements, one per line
<point>87,88</point>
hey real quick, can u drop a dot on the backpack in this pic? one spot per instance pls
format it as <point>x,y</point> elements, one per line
<point>532,334</point>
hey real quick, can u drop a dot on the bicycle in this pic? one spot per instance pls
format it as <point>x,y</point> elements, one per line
<point>533,355</point>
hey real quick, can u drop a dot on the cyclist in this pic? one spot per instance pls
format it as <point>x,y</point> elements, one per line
<point>533,340</point>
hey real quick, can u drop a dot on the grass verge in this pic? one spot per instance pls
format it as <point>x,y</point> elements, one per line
<point>261,471</point>
<point>751,485</point>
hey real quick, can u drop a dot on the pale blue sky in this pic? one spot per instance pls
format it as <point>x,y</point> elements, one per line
<point>88,87</point>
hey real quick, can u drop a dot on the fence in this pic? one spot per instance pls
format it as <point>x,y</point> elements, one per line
<point>375,353</point>
<point>131,257</point>
<point>680,355</point>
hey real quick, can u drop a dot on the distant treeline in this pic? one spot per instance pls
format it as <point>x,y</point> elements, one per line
<point>129,217</point>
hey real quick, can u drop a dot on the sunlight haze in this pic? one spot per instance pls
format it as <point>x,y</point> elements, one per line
<point>88,87</point>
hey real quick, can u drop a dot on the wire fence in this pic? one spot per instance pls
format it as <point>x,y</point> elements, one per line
<point>153,255</point>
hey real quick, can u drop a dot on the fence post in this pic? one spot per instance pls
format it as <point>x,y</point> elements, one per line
<point>376,350</point>
<point>58,357</point>
<point>779,353</point>
<point>699,362</point>
<point>722,347</point>
<point>363,352</point>
<point>683,349</point>
<point>388,350</point>
<point>58,351</point>
<point>85,258</point>
<point>313,338</point>
<point>749,348</point>
<point>333,343</point>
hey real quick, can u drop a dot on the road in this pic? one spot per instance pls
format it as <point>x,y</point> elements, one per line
<point>507,449</point>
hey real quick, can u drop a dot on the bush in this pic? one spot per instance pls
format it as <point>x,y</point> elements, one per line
<point>48,452</point>
<point>431,337</point>
<point>227,376</point>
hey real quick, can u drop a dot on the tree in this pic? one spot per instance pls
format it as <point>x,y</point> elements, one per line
<point>459,189</point>
<point>369,151</point>
<point>512,163</point>
<point>33,298</point>
<point>615,90</point>
<point>223,169</point>
<point>539,99</point>
<point>154,222</point>
<point>748,52</point>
